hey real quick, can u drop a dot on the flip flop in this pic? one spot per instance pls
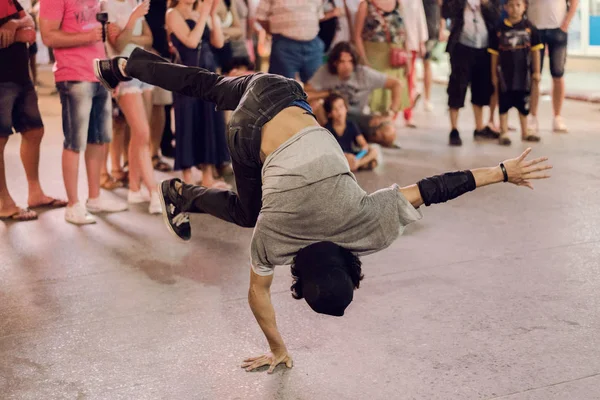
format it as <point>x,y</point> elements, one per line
<point>22,214</point>
<point>53,203</point>
<point>531,138</point>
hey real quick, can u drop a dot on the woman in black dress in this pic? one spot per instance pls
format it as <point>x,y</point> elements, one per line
<point>199,129</point>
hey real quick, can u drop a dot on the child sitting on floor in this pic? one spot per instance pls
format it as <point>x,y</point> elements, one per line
<point>359,153</point>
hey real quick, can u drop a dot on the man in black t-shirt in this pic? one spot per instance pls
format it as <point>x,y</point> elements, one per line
<point>515,49</point>
<point>19,109</point>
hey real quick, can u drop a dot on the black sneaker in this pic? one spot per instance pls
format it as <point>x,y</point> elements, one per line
<point>455,139</point>
<point>108,73</point>
<point>485,134</point>
<point>176,220</point>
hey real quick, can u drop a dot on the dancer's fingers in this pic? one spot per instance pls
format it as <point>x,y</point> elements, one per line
<point>536,168</point>
<point>525,153</point>
<point>536,176</point>
<point>535,161</point>
<point>526,184</point>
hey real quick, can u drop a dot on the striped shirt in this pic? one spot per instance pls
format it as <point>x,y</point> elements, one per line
<point>294,19</point>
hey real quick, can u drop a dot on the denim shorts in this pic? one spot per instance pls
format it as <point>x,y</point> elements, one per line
<point>86,114</point>
<point>556,42</point>
<point>289,57</point>
<point>18,108</point>
<point>132,86</point>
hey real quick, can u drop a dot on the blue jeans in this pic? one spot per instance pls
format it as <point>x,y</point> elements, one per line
<point>86,114</point>
<point>289,57</point>
<point>18,108</point>
<point>556,42</point>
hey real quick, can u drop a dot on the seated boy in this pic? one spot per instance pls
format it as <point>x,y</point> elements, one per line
<point>348,134</point>
<point>515,49</point>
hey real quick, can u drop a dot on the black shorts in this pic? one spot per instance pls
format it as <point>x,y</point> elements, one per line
<point>516,99</point>
<point>33,49</point>
<point>18,108</point>
<point>470,67</point>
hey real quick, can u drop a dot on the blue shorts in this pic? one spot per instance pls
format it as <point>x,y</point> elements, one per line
<point>86,114</point>
<point>289,57</point>
<point>18,108</point>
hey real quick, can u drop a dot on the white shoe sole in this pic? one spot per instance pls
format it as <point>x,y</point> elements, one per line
<point>80,223</point>
<point>165,213</point>
<point>99,75</point>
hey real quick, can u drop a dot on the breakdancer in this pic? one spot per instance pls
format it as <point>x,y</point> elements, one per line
<point>295,188</point>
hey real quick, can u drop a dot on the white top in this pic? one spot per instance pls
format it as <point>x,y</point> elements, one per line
<point>118,13</point>
<point>343,33</point>
<point>415,24</point>
<point>474,33</point>
<point>547,14</point>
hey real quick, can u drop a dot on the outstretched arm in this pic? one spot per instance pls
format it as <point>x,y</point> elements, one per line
<point>441,188</point>
<point>259,298</point>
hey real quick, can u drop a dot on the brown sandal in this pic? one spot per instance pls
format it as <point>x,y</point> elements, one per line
<point>108,182</point>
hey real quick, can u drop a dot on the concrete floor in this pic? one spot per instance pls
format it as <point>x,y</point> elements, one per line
<point>492,296</point>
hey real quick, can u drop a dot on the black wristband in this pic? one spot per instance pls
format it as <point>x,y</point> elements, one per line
<point>441,188</point>
<point>504,172</point>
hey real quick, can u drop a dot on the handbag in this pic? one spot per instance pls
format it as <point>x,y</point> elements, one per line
<point>398,56</point>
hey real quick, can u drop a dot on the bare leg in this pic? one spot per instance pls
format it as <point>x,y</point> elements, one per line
<point>478,113</point>
<point>187,176</point>
<point>7,204</point>
<point>116,147</point>
<point>454,118</point>
<point>94,157</point>
<point>493,105</point>
<point>427,78</point>
<point>523,121</point>
<point>30,157</point>
<point>70,170</point>
<point>140,163</point>
<point>157,126</point>
<point>504,140</point>
<point>558,95</point>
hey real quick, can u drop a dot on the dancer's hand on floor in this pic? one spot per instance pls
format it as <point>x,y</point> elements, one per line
<point>521,171</point>
<point>272,359</point>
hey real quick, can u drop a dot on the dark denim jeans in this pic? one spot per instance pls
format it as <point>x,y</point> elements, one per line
<point>255,99</point>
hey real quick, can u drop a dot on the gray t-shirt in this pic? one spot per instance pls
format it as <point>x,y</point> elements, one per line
<point>356,89</point>
<point>310,195</point>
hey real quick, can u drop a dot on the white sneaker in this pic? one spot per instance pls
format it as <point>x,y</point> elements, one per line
<point>428,106</point>
<point>559,125</point>
<point>155,207</point>
<point>141,196</point>
<point>532,125</point>
<point>104,204</point>
<point>78,215</point>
